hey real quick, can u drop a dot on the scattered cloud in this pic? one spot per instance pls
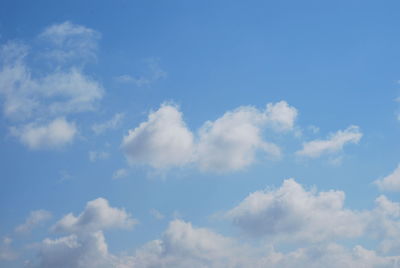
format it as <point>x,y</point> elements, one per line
<point>55,134</point>
<point>34,219</point>
<point>334,143</point>
<point>120,173</point>
<point>155,73</point>
<point>98,215</point>
<point>156,214</point>
<point>70,41</point>
<point>227,144</point>
<point>113,123</point>
<point>33,95</point>
<point>283,215</point>
<point>390,182</point>
<point>98,155</point>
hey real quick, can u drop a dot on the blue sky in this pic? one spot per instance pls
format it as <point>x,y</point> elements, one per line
<point>199,134</point>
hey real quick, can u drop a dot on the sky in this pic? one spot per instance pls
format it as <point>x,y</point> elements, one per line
<point>199,134</point>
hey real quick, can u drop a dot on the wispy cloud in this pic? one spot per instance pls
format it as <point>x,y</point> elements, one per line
<point>35,218</point>
<point>334,143</point>
<point>113,123</point>
<point>155,73</point>
<point>39,101</point>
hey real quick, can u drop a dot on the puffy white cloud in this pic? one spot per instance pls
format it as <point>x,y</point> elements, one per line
<point>281,115</point>
<point>110,124</point>
<point>229,143</point>
<point>98,215</point>
<point>390,182</point>
<point>334,143</point>
<point>184,245</point>
<point>34,219</point>
<point>295,214</point>
<point>162,141</point>
<point>74,251</point>
<point>55,134</point>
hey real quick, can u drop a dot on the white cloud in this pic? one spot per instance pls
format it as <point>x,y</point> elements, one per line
<point>334,143</point>
<point>288,210</point>
<point>227,144</point>
<point>292,213</point>
<point>33,95</point>
<point>232,141</point>
<point>98,215</point>
<point>35,218</point>
<point>57,93</point>
<point>281,115</point>
<point>73,251</point>
<point>55,134</point>
<point>110,124</point>
<point>70,41</point>
<point>162,141</point>
<point>390,182</point>
<point>95,155</point>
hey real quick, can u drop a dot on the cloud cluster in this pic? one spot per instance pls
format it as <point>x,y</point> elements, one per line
<point>293,213</point>
<point>229,143</point>
<point>155,73</point>
<point>275,218</point>
<point>38,100</point>
<point>84,245</point>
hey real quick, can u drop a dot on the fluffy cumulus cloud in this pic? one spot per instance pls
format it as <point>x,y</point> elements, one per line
<point>31,94</point>
<point>55,134</point>
<point>162,141</point>
<point>74,252</point>
<point>281,215</point>
<point>334,143</point>
<point>293,213</point>
<point>183,245</point>
<point>229,143</point>
<point>98,215</point>
<point>34,219</point>
<point>391,182</point>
